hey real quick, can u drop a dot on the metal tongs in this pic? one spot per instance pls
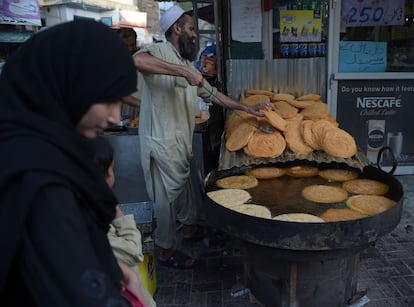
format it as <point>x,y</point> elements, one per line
<point>265,129</point>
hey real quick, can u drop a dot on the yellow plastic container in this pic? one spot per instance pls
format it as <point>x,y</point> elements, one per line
<point>148,273</point>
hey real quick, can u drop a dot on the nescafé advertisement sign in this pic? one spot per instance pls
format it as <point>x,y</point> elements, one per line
<point>379,113</point>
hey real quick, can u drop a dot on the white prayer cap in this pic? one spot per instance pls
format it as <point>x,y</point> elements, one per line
<point>170,17</point>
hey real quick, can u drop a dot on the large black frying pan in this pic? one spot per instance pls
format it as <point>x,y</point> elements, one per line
<point>294,236</point>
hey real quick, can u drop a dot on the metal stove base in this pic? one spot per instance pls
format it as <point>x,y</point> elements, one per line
<point>275,281</point>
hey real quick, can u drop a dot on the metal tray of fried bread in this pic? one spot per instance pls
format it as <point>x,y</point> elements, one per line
<point>237,159</point>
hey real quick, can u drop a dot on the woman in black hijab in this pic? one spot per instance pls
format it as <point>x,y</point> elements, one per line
<point>62,85</point>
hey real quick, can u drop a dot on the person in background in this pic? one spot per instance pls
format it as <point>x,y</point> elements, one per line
<point>123,234</point>
<point>171,87</point>
<point>55,207</point>
<point>129,36</point>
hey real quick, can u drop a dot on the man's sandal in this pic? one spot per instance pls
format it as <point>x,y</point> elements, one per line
<point>199,234</point>
<point>178,260</point>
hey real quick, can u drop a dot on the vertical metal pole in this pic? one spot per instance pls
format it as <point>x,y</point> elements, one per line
<point>195,16</point>
<point>219,43</point>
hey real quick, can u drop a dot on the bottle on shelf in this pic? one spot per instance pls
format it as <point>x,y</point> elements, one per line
<point>303,50</point>
<point>313,49</point>
<point>293,50</point>
<point>284,50</point>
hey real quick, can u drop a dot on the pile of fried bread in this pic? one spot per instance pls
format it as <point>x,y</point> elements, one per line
<point>361,197</point>
<point>303,124</point>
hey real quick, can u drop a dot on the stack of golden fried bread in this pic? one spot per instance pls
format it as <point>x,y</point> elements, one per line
<point>306,131</point>
<point>303,124</point>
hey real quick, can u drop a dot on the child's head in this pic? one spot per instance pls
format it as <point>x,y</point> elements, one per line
<point>103,158</point>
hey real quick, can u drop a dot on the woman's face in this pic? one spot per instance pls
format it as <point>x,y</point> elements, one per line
<point>98,117</point>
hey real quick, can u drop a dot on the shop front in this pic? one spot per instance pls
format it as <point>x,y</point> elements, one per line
<point>358,55</point>
<point>366,79</point>
<point>372,87</point>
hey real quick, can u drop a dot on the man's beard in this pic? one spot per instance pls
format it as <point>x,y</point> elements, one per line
<point>188,48</point>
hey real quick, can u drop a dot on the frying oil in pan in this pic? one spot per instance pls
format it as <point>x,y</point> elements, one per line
<point>284,195</point>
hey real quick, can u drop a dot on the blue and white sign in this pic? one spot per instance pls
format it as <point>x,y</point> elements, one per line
<point>364,13</point>
<point>356,56</point>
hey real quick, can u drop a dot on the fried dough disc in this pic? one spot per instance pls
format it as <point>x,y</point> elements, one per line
<point>233,120</point>
<point>370,204</point>
<point>266,145</point>
<point>302,171</point>
<point>229,197</point>
<point>331,119</point>
<point>301,104</point>
<point>243,114</point>
<point>325,194</point>
<point>338,175</point>
<point>253,210</point>
<point>365,186</point>
<point>297,118</point>
<point>298,217</point>
<point>319,129</point>
<point>306,130</point>
<point>259,92</point>
<point>239,136</point>
<point>309,96</point>
<point>237,117</point>
<point>246,151</point>
<point>284,109</point>
<point>324,123</point>
<point>316,111</point>
<point>294,139</point>
<point>282,96</point>
<point>237,182</point>
<point>266,172</point>
<point>336,215</point>
<point>254,99</point>
<point>339,143</point>
<point>274,119</point>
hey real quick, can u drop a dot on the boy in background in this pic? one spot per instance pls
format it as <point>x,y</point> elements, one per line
<point>123,234</point>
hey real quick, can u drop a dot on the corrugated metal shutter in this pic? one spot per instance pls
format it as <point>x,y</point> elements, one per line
<point>295,76</point>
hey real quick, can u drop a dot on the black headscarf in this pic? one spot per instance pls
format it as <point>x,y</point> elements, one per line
<point>45,89</point>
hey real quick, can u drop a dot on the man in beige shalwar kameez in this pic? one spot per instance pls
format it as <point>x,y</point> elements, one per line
<point>168,109</point>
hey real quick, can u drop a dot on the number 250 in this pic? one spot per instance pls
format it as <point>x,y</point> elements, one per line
<point>364,15</point>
